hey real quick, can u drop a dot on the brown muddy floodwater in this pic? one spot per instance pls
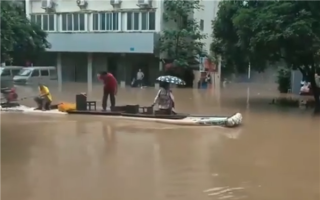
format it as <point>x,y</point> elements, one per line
<point>273,156</point>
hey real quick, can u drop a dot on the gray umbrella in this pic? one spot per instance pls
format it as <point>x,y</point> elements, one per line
<point>171,79</point>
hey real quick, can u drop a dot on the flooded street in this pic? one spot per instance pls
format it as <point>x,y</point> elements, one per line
<point>273,156</point>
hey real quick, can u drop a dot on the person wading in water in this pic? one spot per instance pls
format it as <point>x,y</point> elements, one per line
<point>109,89</point>
<point>165,99</point>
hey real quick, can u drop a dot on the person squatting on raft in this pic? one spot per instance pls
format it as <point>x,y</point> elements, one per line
<point>109,89</point>
<point>165,99</point>
<point>44,99</point>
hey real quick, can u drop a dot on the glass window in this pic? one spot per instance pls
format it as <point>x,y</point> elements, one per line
<point>53,73</point>
<point>45,24</point>
<point>44,73</point>
<point>51,22</point>
<point>33,19</point>
<point>95,22</point>
<point>69,22</point>
<point>144,21</point>
<point>109,21</point>
<point>103,21</point>
<point>115,21</point>
<point>201,24</point>
<point>129,21</point>
<point>64,22</point>
<point>35,72</point>
<point>82,21</point>
<point>136,21</point>
<point>152,21</point>
<point>25,72</point>
<point>15,72</point>
<point>76,22</point>
<point>5,72</point>
<point>39,20</point>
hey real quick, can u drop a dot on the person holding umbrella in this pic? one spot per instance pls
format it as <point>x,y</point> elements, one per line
<point>164,97</point>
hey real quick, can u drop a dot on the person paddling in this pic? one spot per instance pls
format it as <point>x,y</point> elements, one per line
<point>44,99</point>
<point>165,99</point>
<point>109,89</point>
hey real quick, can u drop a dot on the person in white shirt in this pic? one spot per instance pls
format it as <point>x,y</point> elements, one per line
<point>140,76</point>
<point>165,99</point>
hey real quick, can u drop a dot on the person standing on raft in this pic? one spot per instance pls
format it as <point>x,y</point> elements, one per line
<point>165,99</point>
<point>109,89</point>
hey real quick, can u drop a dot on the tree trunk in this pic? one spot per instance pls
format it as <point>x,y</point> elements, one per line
<point>316,93</point>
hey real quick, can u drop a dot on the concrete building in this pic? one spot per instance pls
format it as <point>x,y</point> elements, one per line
<point>88,36</point>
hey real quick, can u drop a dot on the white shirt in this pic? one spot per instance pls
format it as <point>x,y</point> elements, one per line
<point>140,75</point>
<point>164,104</point>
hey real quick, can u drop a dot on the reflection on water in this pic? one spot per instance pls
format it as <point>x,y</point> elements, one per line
<point>275,155</point>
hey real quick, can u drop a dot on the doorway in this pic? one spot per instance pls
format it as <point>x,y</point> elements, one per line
<point>112,66</point>
<point>144,68</point>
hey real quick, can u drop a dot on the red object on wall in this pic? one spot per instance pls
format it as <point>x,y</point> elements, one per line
<point>210,66</point>
<point>168,66</point>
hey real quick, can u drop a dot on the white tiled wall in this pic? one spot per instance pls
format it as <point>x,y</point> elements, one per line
<point>207,14</point>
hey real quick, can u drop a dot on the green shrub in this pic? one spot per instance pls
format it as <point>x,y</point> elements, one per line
<point>284,80</point>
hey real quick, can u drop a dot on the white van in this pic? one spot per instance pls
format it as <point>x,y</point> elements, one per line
<point>7,73</point>
<point>35,75</point>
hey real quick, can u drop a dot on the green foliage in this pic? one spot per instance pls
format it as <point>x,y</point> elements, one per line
<point>181,38</point>
<point>262,32</point>
<point>18,35</point>
<point>284,79</point>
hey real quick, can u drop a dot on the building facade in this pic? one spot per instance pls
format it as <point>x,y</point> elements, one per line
<point>88,36</point>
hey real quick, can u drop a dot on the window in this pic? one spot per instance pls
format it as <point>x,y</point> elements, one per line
<point>201,24</point>
<point>35,72</point>
<point>73,22</point>
<point>53,73</point>
<point>141,21</point>
<point>45,21</point>
<point>15,72</point>
<point>5,72</point>
<point>25,72</point>
<point>133,21</point>
<point>105,21</point>
<point>44,73</point>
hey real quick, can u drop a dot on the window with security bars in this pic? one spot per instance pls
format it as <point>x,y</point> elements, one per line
<point>105,21</point>
<point>73,22</point>
<point>141,21</point>
<point>47,22</point>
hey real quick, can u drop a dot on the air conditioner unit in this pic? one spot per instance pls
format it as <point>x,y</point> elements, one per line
<point>47,4</point>
<point>115,3</point>
<point>82,3</point>
<point>144,3</point>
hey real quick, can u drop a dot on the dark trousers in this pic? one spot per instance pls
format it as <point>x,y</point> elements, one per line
<point>43,102</point>
<point>105,99</point>
<point>139,83</point>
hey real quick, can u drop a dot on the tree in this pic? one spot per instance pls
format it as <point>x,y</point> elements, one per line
<point>271,31</point>
<point>181,40</point>
<point>19,37</point>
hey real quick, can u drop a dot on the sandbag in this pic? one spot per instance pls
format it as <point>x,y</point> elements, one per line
<point>65,107</point>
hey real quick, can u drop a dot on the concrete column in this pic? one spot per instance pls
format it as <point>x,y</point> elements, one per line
<point>196,78</point>
<point>160,66</point>
<point>27,8</point>
<point>59,71</point>
<point>89,72</point>
<point>121,71</point>
<point>217,75</point>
